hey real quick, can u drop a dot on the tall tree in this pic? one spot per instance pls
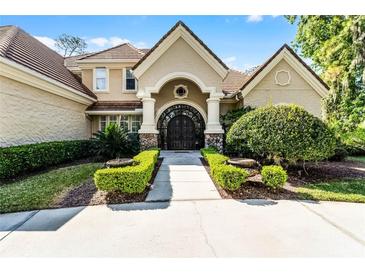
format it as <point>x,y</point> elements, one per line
<point>336,44</point>
<point>70,45</point>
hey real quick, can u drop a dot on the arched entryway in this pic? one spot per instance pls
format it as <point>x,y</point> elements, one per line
<point>181,127</point>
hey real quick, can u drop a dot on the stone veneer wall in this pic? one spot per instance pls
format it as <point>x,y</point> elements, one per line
<point>148,140</point>
<point>214,140</point>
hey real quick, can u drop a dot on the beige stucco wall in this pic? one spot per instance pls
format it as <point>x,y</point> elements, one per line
<point>166,94</point>
<point>180,57</point>
<point>31,115</point>
<point>297,92</point>
<point>225,107</point>
<point>115,92</point>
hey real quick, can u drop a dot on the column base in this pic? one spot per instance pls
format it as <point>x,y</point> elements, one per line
<point>148,140</point>
<point>214,140</point>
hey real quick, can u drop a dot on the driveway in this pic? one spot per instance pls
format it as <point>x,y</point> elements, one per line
<point>195,228</point>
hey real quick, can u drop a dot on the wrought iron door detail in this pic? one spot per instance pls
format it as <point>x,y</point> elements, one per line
<point>181,127</point>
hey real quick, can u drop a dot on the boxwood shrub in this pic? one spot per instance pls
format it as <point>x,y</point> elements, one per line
<point>285,133</point>
<point>227,176</point>
<point>129,179</point>
<point>18,160</point>
<point>274,176</point>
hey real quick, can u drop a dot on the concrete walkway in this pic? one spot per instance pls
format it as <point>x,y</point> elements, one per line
<point>182,177</point>
<point>209,228</point>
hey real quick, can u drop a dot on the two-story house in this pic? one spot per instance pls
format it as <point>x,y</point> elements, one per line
<point>172,95</point>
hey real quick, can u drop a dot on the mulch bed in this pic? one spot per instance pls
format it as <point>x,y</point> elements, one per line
<point>322,171</point>
<point>326,171</point>
<point>88,194</point>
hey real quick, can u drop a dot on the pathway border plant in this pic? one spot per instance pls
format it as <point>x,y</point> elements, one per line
<point>130,179</point>
<point>227,176</point>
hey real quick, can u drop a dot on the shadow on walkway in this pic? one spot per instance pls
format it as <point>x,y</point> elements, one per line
<point>258,202</point>
<point>140,206</point>
<point>43,220</point>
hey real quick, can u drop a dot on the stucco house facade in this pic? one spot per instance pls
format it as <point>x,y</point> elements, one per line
<point>172,95</point>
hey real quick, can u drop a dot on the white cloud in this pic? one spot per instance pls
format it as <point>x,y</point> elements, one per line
<point>255,18</point>
<point>99,41</point>
<point>49,42</point>
<point>247,66</point>
<point>103,42</point>
<point>230,60</point>
<point>115,41</point>
<point>140,45</point>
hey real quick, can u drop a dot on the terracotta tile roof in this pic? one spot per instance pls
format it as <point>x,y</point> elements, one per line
<point>233,81</point>
<point>115,105</point>
<point>145,50</point>
<point>20,47</point>
<point>180,23</point>
<point>123,51</point>
<point>260,68</point>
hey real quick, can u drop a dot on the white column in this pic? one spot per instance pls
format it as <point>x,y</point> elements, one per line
<point>148,124</point>
<point>213,124</point>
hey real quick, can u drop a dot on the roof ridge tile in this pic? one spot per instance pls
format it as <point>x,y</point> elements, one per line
<point>8,39</point>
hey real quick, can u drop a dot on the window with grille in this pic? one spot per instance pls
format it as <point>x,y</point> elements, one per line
<point>136,123</point>
<point>124,122</point>
<point>100,79</point>
<point>103,122</point>
<point>130,123</point>
<point>130,81</point>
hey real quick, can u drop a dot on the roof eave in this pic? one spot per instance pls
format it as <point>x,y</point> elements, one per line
<point>28,76</point>
<point>286,53</point>
<point>169,38</point>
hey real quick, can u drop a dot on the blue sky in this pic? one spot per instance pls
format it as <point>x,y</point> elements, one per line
<point>240,41</point>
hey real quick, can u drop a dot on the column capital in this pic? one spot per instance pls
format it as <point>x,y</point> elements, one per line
<point>148,99</point>
<point>213,99</point>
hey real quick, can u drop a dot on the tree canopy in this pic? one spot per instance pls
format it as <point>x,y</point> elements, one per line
<point>336,44</point>
<point>70,45</point>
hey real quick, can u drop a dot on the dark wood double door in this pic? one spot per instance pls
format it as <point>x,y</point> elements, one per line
<point>181,133</point>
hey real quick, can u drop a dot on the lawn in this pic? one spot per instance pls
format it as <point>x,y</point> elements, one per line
<point>350,190</point>
<point>360,159</point>
<point>39,191</point>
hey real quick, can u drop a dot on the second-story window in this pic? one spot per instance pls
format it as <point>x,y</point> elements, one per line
<point>101,80</point>
<point>130,80</point>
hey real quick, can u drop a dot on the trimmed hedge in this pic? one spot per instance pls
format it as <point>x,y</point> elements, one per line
<point>129,179</point>
<point>18,160</point>
<point>274,176</point>
<point>227,176</point>
<point>285,133</point>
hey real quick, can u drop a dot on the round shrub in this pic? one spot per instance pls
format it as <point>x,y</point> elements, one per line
<point>274,176</point>
<point>282,133</point>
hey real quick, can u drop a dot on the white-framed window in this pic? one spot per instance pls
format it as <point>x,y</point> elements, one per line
<point>124,122</point>
<point>136,122</point>
<point>102,122</point>
<point>131,123</point>
<point>113,119</point>
<point>101,81</point>
<point>129,81</point>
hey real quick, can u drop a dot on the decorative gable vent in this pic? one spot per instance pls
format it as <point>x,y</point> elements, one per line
<point>282,78</point>
<point>181,91</point>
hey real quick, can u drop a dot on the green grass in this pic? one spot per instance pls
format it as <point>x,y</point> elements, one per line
<point>40,191</point>
<point>345,190</point>
<point>357,158</point>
